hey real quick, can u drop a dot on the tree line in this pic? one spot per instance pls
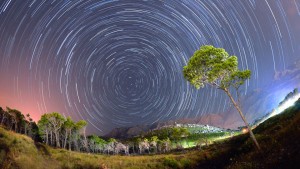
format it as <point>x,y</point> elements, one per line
<point>58,131</point>
<point>55,130</point>
<point>13,119</point>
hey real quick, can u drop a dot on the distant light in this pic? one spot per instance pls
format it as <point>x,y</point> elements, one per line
<point>288,103</point>
<point>244,130</point>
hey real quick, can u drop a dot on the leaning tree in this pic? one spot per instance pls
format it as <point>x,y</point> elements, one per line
<point>214,67</point>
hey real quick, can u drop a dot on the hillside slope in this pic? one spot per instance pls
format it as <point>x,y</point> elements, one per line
<point>128,132</point>
<point>19,151</point>
<point>279,138</point>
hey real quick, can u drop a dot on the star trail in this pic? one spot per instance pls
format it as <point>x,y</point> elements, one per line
<point>119,63</point>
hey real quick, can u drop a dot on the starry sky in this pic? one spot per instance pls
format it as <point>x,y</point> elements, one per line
<point>118,63</point>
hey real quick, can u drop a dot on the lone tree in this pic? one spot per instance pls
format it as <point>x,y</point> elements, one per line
<point>214,67</point>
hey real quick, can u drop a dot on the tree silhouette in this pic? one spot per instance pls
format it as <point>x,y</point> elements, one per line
<point>214,67</point>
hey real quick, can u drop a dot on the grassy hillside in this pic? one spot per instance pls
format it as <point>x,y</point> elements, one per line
<point>279,138</point>
<point>19,151</point>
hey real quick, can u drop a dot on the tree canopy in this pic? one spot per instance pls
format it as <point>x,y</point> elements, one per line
<point>213,66</point>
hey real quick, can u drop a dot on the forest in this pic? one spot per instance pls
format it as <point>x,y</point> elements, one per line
<point>55,130</point>
<point>278,137</point>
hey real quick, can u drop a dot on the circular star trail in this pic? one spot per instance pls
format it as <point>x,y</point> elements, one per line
<point>119,63</point>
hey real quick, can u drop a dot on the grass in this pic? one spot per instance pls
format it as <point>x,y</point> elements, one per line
<point>279,138</point>
<point>19,151</point>
<point>68,159</point>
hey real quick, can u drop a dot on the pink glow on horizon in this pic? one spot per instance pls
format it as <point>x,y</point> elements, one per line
<point>34,113</point>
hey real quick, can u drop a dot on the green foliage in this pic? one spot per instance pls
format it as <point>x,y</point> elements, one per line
<point>43,124</point>
<point>170,162</point>
<point>54,124</point>
<point>154,138</point>
<point>161,134</point>
<point>112,140</point>
<point>209,136</point>
<point>98,140</point>
<point>69,123</point>
<point>185,163</point>
<point>13,119</point>
<point>178,133</point>
<point>19,151</point>
<point>287,114</point>
<point>80,124</point>
<point>213,66</point>
<point>146,140</point>
<point>56,115</point>
<point>279,137</point>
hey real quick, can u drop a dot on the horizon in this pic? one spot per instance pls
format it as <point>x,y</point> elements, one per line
<point>119,63</point>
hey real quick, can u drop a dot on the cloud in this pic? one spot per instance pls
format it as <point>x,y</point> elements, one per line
<point>262,100</point>
<point>283,74</point>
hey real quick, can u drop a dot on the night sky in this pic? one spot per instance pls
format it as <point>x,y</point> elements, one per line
<point>119,63</point>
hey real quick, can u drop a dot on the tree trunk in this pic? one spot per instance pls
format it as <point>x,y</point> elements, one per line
<point>70,139</point>
<point>85,141</point>
<point>25,132</point>
<point>2,120</point>
<point>51,138</point>
<point>133,149</point>
<point>57,138</point>
<point>66,136</point>
<point>16,127</point>
<point>11,126</point>
<point>244,119</point>
<point>47,139</point>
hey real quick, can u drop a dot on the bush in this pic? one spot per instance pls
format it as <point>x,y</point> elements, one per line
<point>170,162</point>
<point>185,163</point>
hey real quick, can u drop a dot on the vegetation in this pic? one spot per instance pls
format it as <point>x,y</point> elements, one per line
<point>279,136</point>
<point>214,67</point>
<point>57,131</point>
<point>13,119</point>
<point>20,151</point>
<point>46,143</point>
